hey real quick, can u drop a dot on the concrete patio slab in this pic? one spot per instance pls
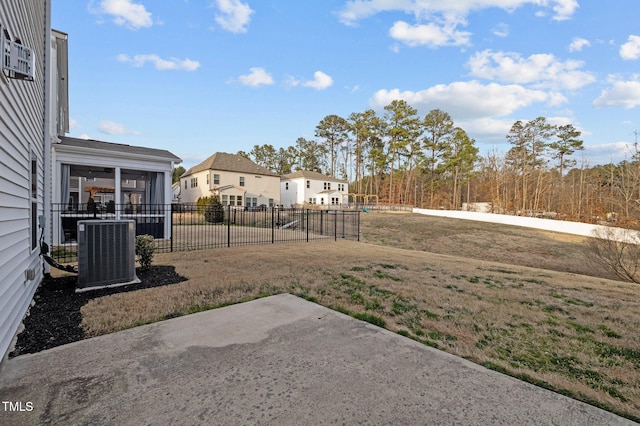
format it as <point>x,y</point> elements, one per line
<point>278,360</point>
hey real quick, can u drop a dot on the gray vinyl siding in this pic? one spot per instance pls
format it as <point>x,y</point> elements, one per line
<point>22,130</point>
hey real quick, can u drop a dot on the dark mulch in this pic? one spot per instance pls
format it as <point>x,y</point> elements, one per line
<point>55,318</point>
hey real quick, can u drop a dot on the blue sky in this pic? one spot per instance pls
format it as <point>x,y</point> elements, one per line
<point>200,76</point>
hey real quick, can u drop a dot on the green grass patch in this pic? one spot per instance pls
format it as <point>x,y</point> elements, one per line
<point>534,281</point>
<point>358,269</point>
<point>373,305</point>
<point>376,291</point>
<point>571,300</point>
<point>429,314</point>
<point>384,275</point>
<point>370,318</point>
<point>502,271</point>
<point>580,328</point>
<point>357,298</point>
<point>402,305</point>
<point>608,332</point>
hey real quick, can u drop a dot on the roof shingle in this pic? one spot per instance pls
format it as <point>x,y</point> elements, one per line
<point>229,163</point>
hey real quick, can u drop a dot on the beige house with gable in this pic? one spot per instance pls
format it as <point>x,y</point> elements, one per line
<point>236,180</point>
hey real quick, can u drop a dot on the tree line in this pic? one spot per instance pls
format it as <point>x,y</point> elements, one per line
<point>430,162</point>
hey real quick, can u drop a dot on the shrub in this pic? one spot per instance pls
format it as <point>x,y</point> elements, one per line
<point>213,210</point>
<point>144,250</point>
<point>618,250</point>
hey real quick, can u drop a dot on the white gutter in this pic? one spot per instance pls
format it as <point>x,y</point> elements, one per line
<point>47,123</point>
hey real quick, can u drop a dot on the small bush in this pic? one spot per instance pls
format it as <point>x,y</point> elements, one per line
<point>144,250</point>
<point>211,208</point>
<point>618,250</point>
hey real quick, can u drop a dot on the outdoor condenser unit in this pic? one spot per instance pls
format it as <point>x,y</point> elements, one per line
<point>106,254</point>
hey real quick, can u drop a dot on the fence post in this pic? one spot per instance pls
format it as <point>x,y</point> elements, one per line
<point>229,226</point>
<point>273,224</point>
<point>307,225</point>
<point>321,227</point>
<point>358,225</point>
<point>335,226</point>
<point>171,228</point>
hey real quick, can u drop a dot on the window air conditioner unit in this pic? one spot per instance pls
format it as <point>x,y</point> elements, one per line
<point>19,60</point>
<point>106,254</point>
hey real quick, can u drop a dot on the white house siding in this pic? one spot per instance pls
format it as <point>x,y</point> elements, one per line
<point>294,191</point>
<point>22,135</point>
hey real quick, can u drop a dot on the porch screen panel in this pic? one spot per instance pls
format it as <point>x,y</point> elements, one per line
<point>65,180</point>
<point>156,196</point>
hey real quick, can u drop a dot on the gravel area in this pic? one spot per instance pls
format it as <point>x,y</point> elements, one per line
<point>55,318</point>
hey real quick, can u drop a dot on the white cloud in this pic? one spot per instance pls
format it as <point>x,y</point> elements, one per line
<point>355,10</point>
<point>622,93</point>
<point>113,128</point>
<point>483,127</point>
<point>73,124</point>
<point>126,13</point>
<point>291,81</point>
<point>320,81</point>
<point>84,136</point>
<point>501,30</point>
<point>233,16</point>
<point>605,153</point>
<point>257,77</point>
<point>468,100</point>
<point>578,43</point>
<point>630,51</point>
<point>431,35</point>
<point>540,70</point>
<point>159,63</point>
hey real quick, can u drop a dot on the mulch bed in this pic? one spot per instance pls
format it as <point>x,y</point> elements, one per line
<point>55,318</point>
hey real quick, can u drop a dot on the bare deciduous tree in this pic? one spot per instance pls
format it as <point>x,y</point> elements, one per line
<point>618,250</point>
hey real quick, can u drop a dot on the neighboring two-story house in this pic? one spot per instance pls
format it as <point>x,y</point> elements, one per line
<point>236,180</point>
<point>304,187</point>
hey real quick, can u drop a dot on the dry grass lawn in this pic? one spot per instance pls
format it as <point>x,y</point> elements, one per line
<point>520,301</point>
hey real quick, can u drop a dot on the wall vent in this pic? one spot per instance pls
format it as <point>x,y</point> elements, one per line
<point>17,60</point>
<point>106,254</point>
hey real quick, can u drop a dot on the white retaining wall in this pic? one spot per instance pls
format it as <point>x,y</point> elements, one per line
<point>575,228</point>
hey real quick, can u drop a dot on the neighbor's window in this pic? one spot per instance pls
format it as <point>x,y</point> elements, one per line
<point>185,184</point>
<point>225,201</point>
<point>286,186</point>
<point>241,180</point>
<point>232,200</point>
<point>270,202</point>
<point>239,200</point>
<point>207,178</point>
<point>308,184</point>
<point>216,179</point>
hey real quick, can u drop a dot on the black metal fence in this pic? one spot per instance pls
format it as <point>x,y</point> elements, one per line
<point>183,227</point>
